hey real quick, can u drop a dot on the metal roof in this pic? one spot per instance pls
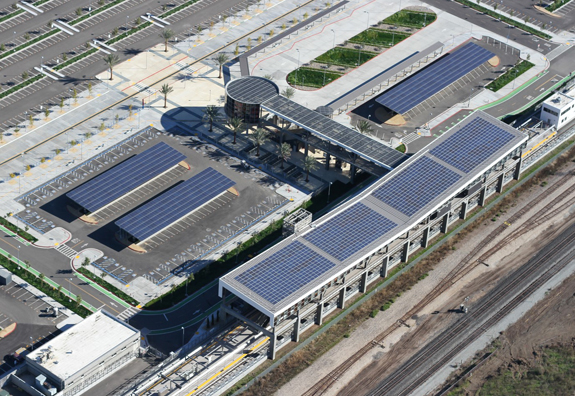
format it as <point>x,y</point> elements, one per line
<point>251,89</point>
<point>375,202</point>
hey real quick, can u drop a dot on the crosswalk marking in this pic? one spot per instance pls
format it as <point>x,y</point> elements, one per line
<point>66,250</point>
<point>127,314</point>
<point>410,138</point>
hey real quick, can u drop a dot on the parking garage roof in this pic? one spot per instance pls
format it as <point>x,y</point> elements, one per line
<point>299,265</point>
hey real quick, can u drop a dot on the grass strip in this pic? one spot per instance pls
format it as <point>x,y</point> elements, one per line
<point>413,19</point>
<point>54,291</point>
<point>556,4</point>
<point>29,43</point>
<point>505,19</point>
<point>379,37</point>
<point>345,57</point>
<point>20,232</point>
<point>178,8</point>
<point>95,12</point>
<point>401,148</point>
<point>75,59</point>
<point>509,75</point>
<point>108,286</point>
<point>21,85</point>
<point>11,15</point>
<point>308,77</point>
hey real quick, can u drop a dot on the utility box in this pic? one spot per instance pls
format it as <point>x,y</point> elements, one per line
<point>5,277</point>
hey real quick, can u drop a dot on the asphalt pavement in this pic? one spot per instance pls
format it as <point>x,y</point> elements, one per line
<point>147,38</point>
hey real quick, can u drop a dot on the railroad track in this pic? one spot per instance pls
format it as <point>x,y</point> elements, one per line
<point>478,316</point>
<point>463,268</point>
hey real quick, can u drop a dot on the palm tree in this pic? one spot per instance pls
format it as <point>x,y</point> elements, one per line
<point>284,153</point>
<point>111,60</point>
<point>363,127</point>
<point>211,113</point>
<point>165,90</point>
<point>236,125</point>
<point>166,35</point>
<point>221,59</point>
<point>288,92</point>
<point>309,164</point>
<point>259,137</point>
<point>42,276</point>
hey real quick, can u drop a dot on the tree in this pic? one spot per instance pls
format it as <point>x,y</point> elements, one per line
<point>309,164</point>
<point>88,135</point>
<point>166,35</point>
<point>165,90</point>
<point>103,274</point>
<point>237,50</point>
<point>260,137</point>
<point>236,126</point>
<point>31,120</point>
<point>130,111</point>
<point>111,60</point>
<point>117,118</point>
<point>86,262</point>
<point>49,24</point>
<point>289,92</point>
<point>221,59</point>
<point>79,11</point>
<point>78,300</point>
<point>16,131</point>
<point>75,96</point>
<point>59,288</point>
<point>47,112</point>
<point>42,276</point>
<point>363,127</point>
<point>27,36</point>
<point>211,114</point>
<point>90,89</point>
<point>25,75</point>
<point>61,104</point>
<point>284,153</point>
<point>1,136</point>
<point>102,127</point>
<point>495,7</point>
<point>271,33</point>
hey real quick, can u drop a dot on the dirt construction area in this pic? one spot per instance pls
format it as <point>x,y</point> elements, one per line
<point>440,313</point>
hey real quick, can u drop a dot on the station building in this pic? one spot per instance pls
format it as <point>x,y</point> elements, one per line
<point>296,283</point>
<point>559,109</point>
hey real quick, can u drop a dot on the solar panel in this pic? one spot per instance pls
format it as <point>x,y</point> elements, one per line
<point>350,231</point>
<point>253,90</point>
<point>472,144</point>
<point>125,177</point>
<point>284,272</point>
<point>174,204</point>
<point>416,186</point>
<point>328,129</point>
<point>421,86</point>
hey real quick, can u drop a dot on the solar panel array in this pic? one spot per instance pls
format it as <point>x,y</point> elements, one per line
<point>329,129</point>
<point>284,272</point>
<point>253,90</point>
<point>174,204</point>
<point>472,144</point>
<point>417,185</point>
<point>350,231</point>
<point>123,178</point>
<point>421,86</point>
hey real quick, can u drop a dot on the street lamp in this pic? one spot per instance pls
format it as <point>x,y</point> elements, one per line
<point>329,191</point>
<point>126,27</point>
<point>183,335</point>
<point>32,343</point>
<point>367,12</point>
<point>69,289</point>
<point>296,70</point>
<point>18,254</point>
<point>333,45</point>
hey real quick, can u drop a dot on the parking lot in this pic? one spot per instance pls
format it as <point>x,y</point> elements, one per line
<point>177,249</point>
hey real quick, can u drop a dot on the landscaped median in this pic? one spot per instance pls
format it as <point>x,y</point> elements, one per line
<point>509,21</point>
<point>509,75</point>
<point>17,230</point>
<point>45,285</point>
<point>359,49</point>
<point>108,286</point>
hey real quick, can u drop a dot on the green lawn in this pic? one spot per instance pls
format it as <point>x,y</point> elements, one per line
<point>345,57</point>
<point>509,75</point>
<point>305,76</point>
<point>410,19</point>
<point>378,37</point>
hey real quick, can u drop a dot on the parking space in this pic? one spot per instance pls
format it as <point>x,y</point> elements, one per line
<point>177,250</point>
<point>35,303</point>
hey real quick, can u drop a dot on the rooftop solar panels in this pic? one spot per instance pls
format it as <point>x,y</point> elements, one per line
<point>174,204</point>
<point>123,178</point>
<point>350,231</point>
<point>328,129</point>
<point>284,272</point>
<point>415,186</point>
<point>253,90</point>
<point>435,77</point>
<point>472,144</point>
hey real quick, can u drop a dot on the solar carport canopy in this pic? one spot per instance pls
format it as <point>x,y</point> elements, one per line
<point>424,84</point>
<point>174,204</point>
<point>125,177</point>
<point>330,130</point>
<point>302,263</point>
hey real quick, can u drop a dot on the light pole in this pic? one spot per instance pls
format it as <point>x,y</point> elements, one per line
<point>18,254</point>
<point>69,289</point>
<point>333,45</point>
<point>329,191</point>
<point>367,12</point>
<point>296,70</point>
<point>32,343</point>
<point>183,334</point>
<point>126,26</point>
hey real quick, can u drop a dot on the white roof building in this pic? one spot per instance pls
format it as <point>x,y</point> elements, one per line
<point>558,110</point>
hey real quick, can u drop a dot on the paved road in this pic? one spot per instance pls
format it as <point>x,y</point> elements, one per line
<point>205,10</point>
<point>494,25</point>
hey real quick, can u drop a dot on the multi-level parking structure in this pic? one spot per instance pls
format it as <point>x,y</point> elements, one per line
<point>306,276</point>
